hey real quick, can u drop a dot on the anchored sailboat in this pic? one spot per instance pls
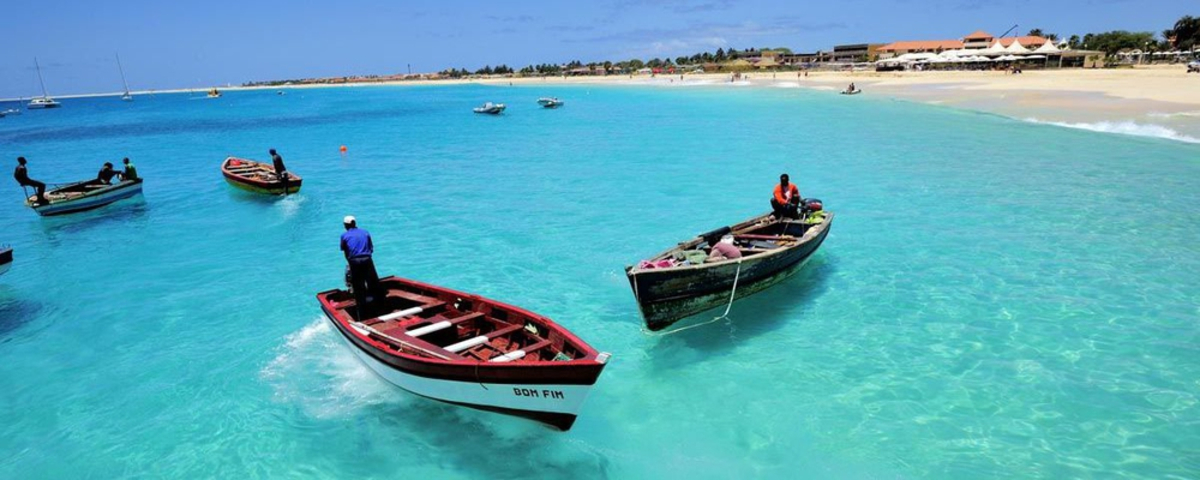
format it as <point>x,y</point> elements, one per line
<point>127,96</point>
<point>43,101</point>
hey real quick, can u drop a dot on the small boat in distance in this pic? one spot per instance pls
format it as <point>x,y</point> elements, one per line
<point>258,177</point>
<point>6,258</point>
<point>468,350</point>
<point>44,101</point>
<point>127,96</point>
<point>214,93</point>
<point>856,91</point>
<point>82,196</point>
<point>550,102</point>
<point>13,111</point>
<point>680,282</point>
<point>490,108</point>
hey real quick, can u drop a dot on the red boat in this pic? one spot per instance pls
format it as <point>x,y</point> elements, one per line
<point>467,350</point>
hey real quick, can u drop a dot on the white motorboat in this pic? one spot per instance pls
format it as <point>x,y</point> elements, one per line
<point>490,108</point>
<point>550,102</point>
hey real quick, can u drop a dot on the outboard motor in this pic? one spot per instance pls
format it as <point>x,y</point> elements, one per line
<point>809,205</point>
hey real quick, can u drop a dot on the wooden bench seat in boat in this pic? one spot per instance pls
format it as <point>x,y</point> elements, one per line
<point>520,353</point>
<point>435,323</point>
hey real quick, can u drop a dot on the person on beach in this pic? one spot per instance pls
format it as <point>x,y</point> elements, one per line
<point>21,174</point>
<point>280,169</point>
<point>130,172</point>
<point>786,201</point>
<point>358,249</point>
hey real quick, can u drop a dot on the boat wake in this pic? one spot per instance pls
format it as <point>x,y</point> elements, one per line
<point>315,371</point>
<point>1124,128</point>
<point>290,205</point>
<point>786,85</point>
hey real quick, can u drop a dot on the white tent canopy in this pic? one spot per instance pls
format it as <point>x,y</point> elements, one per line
<point>914,57</point>
<point>1016,48</point>
<point>956,53</point>
<point>995,49</point>
<point>1047,48</point>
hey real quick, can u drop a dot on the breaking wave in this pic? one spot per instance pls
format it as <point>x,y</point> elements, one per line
<point>1125,128</point>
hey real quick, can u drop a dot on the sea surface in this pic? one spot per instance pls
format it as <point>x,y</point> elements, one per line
<point>997,298</point>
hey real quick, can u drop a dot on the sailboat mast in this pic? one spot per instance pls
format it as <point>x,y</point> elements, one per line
<point>123,81</point>
<point>43,82</point>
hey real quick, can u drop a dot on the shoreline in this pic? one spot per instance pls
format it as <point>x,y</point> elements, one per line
<point>1152,101</point>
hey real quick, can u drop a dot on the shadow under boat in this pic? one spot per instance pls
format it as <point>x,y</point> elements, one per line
<point>14,312</point>
<point>134,208</point>
<point>748,318</point>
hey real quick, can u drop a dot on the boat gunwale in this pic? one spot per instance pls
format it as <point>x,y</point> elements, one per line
<point>589,357</point>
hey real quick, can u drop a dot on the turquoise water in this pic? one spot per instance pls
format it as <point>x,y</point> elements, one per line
<point>996,300</point>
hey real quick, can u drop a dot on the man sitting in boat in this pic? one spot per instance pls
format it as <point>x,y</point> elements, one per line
<point>130,172</point>
<point>786,201</point>
<point>358,248</point>
<point>724,249</point>
<point>22,176</point>
<point>107,173</point>
<point>851,88</point>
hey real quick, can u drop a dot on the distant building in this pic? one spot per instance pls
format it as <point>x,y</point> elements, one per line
<point>978,40</point>
<point>855,53</point>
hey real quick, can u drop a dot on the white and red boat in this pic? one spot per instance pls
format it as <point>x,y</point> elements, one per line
<point>467,350</point>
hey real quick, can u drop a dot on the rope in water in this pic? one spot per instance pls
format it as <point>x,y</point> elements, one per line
<point>724,316</point>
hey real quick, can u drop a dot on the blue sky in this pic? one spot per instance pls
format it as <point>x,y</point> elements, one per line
<point>168,44</point>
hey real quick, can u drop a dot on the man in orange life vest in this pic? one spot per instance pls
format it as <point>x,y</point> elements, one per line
<point>786,202</point>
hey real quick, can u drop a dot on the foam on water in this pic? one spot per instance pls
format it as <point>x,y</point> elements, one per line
<point>1124,128</point>
<point>314,370</point>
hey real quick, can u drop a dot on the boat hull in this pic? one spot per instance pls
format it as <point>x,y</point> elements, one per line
<point>551,395</point>
<point>293,187</point>
<point>91,201</point>
<point>667,296</point>
<point>42,106</point>
<point>6,259</point>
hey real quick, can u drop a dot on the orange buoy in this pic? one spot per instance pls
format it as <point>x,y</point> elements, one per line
<point>343,149</point>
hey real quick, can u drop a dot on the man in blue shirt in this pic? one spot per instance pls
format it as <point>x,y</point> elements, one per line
<point>364,282</point>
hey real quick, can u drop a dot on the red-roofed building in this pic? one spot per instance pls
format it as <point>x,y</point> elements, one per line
<point>978,40</point>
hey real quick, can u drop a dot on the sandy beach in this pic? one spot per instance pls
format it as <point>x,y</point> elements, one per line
<point>1158,101</point>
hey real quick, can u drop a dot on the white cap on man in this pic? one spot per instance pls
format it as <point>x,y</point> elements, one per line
<point>349,220</point>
